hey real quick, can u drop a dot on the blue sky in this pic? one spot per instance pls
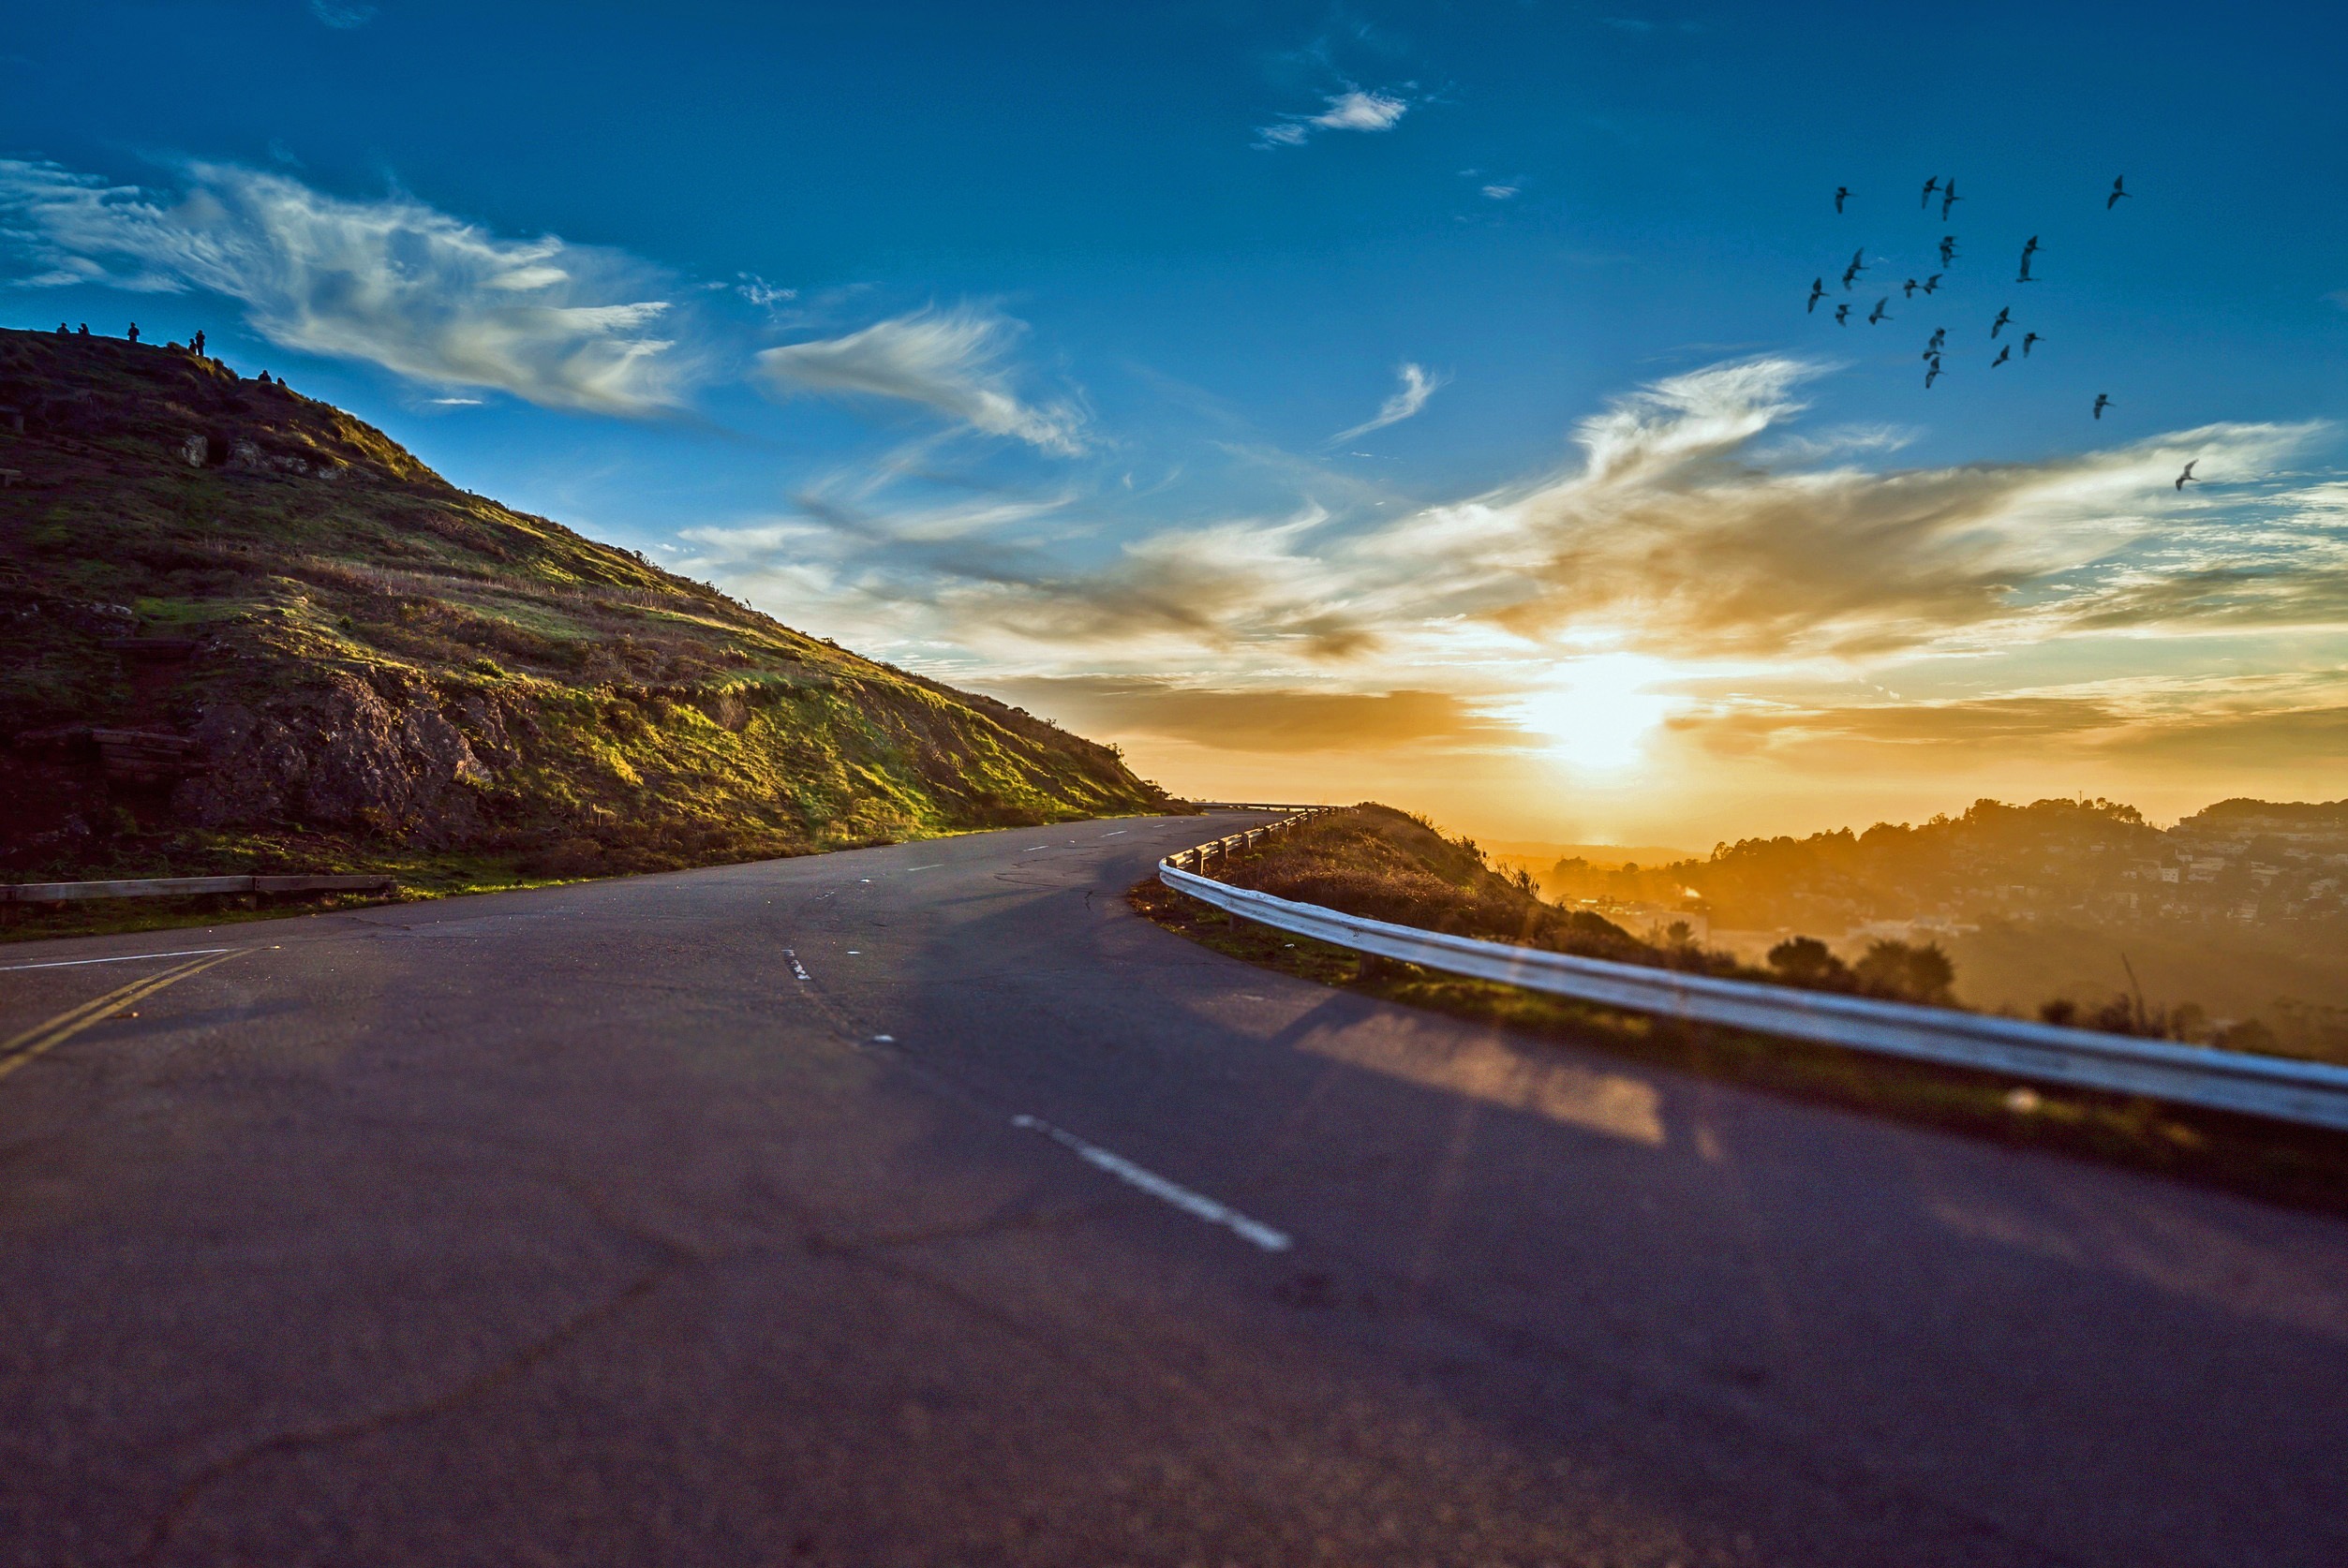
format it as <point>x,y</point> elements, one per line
<point>1013,343</point>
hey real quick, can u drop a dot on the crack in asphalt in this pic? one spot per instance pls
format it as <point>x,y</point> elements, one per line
<point>675,1257</point>
<point>183,1502</point>
<point>822,1245</point>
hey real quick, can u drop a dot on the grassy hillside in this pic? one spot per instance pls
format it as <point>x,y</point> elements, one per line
<point>242,631</point>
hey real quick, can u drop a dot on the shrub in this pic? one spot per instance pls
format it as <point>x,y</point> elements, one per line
<point>1903,973</point>
<point>1806,961</point>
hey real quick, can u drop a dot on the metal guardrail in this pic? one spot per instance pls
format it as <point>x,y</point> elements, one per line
<point>2313,1094</point>
<point>1199,855</point>
<point>174,887</point>
<point>1252,806</point>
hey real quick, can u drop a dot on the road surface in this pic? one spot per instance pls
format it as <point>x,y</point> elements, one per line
<point>923,1205</point>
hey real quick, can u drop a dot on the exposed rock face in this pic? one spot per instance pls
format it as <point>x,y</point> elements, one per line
<point>346,758</point>
<point>248,457</point>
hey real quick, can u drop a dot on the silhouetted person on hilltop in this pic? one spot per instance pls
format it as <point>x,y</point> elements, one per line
<point>199,343</point>
<point>85,328</point>
<point>61,331</point>
<point>264,378</point>
<point>134,332</point>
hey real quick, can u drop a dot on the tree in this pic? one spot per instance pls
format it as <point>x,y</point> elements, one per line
<point>1806,961</point>
<point>1905,973</point>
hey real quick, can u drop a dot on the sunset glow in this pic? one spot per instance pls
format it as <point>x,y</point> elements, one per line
<point>1356,434</point>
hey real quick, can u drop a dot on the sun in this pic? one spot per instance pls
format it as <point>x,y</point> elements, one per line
<point>1598,713</point>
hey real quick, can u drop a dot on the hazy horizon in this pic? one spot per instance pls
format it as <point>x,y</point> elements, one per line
<point>1392,402</point>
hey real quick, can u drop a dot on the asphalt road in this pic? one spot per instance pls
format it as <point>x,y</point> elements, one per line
<point>576,1227</point>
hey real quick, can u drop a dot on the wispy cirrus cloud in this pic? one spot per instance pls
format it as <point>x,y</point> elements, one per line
<point>951,362</point>
<point>342,15</point>
<point>1279,720</point>
<point>390,282</point>
<point>1408,399</point>
<point>1353,109</point>
<point>2284,720</point>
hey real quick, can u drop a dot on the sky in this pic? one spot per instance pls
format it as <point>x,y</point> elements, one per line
<point>1417,402</point>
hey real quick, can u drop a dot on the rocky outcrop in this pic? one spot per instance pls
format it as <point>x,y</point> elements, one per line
<point>346,758</point>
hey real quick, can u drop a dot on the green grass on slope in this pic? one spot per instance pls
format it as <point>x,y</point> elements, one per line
<point>372,664</point>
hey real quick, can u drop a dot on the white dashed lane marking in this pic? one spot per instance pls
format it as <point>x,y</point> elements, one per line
<point>1195,1204</point>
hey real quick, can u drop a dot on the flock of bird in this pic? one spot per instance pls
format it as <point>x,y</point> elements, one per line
<point>1937,346</point>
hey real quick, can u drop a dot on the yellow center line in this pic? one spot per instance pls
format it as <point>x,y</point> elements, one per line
<point>42,1038</point>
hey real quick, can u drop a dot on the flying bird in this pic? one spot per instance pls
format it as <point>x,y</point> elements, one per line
<point>1818,292</point>
<point>2028,339</point>
<point>2024,275</point>
<point>1909,288</point>
<point>1879,314</point>
<point>1930,185</point>
<point>2102,401</point>
<point>2120,189</point>
<point>2003,354</point>
<point>1948,198</point>
<point>2005,320</point>
<point>1842,314</point>
<point>2187,477</point>
<point>1939,335</point>
<point>1933,375</point>
<point>1948,249</point>
<point>1932,284</point>
<point>1856,267</point>
<point>1842,193</point>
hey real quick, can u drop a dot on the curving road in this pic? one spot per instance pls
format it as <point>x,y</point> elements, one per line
<point>923,1205</point>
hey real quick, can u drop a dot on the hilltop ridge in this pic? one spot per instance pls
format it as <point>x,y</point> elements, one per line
<point>241,629</point>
